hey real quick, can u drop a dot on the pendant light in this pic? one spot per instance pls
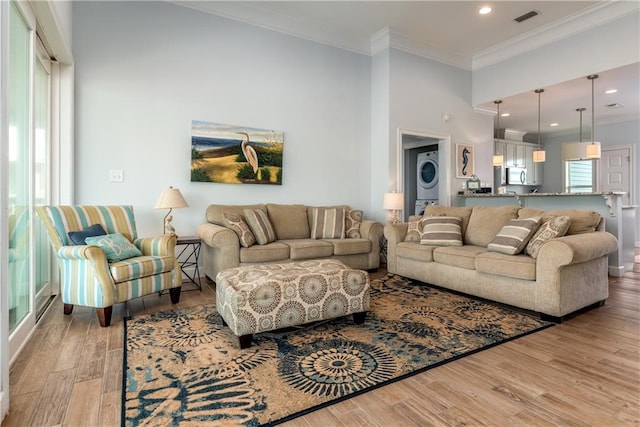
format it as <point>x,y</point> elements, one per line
<point>593,149</point>
<point>498,159</point>
<point>539,155</point>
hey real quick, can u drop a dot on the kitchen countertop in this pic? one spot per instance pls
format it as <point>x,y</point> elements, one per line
<point>609,193</point>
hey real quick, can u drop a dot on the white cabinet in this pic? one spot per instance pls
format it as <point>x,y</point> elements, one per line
<point>520,155</point>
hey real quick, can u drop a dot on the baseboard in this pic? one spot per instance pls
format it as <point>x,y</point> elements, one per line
<point>616,270</point>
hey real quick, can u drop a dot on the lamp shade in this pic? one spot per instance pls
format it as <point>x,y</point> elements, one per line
<point>593,150</point>
<point>539,156</point>
<point>393,201</point>
<point>498,160</point>
<point>171,198</point>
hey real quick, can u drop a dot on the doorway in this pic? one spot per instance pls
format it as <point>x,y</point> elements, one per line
<point>422,170</point>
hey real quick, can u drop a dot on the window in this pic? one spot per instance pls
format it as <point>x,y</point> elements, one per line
<point>580,176</point>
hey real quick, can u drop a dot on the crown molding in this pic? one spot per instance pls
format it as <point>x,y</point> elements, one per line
<point>254,15</point>
<point>400,41</point>
<point>595,16</point>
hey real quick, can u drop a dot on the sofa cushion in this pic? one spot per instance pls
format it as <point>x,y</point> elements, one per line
<point>289,221</point>
<point>441,231</point>
<point>485,222</point>
<point>414,229</point>
<point>327,223</point>
<point>308,248</point>
<point>352,224</point>
<point>514,266</point>
<point>582,220</point>
<point>215,213</point>
<point>415,251</point>
<point>77,237</point>
<point>463,256</point>
<point>260,225</point>
<point>237,223</point>
<point>463,212</point>
<point>514,236</point>
<point>141,266</point>
<point>350,246</point>
<point>275,251</point>
<point>555,227</point>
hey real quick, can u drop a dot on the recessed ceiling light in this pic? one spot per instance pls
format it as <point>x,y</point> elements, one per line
<point>485,10</point>
<point>610,91</point>
<point>554,124</point>
<point>505,114</point>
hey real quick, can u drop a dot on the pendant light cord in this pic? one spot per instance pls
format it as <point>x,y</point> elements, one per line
<point>539,91</point>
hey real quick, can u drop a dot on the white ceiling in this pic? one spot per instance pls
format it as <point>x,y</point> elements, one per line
<point>453,32</point>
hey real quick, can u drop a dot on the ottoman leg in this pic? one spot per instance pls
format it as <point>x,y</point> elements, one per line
<point>245,341</point>
<point>223,322</point>
<point>358,318</point>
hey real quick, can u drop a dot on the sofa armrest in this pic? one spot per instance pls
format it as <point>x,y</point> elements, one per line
<point>91,263</point>
<point>577,248</point>
<point>220,249</point>
<point>371,230</point>
<point>394,233</point>
<point>157,246</point>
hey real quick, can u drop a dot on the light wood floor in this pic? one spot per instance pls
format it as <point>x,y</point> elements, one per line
<point>585,371</point>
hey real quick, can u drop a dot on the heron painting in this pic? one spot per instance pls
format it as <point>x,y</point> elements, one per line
<point>464,161</point>
<point>235,154</point>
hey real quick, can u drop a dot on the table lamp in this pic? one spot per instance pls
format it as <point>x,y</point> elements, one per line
<point>393,202</point>
<point>170,198</point>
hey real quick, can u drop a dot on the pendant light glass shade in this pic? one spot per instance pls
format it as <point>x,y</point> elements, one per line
<point>539,155</point>
<point>593,149</point>
<point>498,159</point>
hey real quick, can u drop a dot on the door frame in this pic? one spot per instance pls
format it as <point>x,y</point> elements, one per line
<point>444,160</point>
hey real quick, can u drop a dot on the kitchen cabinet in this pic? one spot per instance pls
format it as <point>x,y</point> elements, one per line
<point>519,154</point>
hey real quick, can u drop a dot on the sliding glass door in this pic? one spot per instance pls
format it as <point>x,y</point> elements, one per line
<point>18,180</point>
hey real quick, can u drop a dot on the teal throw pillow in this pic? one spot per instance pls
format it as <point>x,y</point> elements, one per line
<point>115,246</point>
<point>78,237</point>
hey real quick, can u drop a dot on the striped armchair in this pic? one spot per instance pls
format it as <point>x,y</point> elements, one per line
<point>89,279</point>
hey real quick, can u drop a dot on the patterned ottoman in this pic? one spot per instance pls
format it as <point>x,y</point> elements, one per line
<point>265,297</point>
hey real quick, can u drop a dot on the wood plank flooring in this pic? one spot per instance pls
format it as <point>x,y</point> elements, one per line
<point>584,372</point>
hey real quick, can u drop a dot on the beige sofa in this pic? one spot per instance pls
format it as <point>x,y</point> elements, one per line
<point>568,274</point>
<point>293,225</point>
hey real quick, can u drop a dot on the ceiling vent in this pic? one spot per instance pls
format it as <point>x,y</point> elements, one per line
<point>526,16</point>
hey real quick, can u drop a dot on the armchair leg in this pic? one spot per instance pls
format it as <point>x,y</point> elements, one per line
<point>174,293</point>
<point>104,316</point>
<point>68,308</point>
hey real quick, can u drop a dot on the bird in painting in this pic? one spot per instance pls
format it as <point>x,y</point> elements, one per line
<point>249,152</point>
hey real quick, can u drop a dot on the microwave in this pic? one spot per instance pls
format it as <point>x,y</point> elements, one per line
<point>516,176</point>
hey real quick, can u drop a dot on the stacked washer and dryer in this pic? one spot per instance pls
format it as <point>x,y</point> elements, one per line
<point>427,183</point>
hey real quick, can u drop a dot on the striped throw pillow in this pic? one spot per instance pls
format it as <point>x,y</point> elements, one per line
<point>441,231</point>
<point>260,225</point>
<point>241,228</point>
<point>514,236</point>
<point>327,223</point>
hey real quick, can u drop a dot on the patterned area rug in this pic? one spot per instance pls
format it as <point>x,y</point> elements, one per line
<point>183,367</point>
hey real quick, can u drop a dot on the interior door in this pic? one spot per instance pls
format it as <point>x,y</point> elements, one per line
<point>615,174</point>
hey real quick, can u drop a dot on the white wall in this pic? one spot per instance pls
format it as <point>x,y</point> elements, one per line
<point>422,90</point>
<point>144,70</point>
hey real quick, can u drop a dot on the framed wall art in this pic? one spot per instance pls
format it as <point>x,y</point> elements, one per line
<point>464,161</point>
<point>233,154</point>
